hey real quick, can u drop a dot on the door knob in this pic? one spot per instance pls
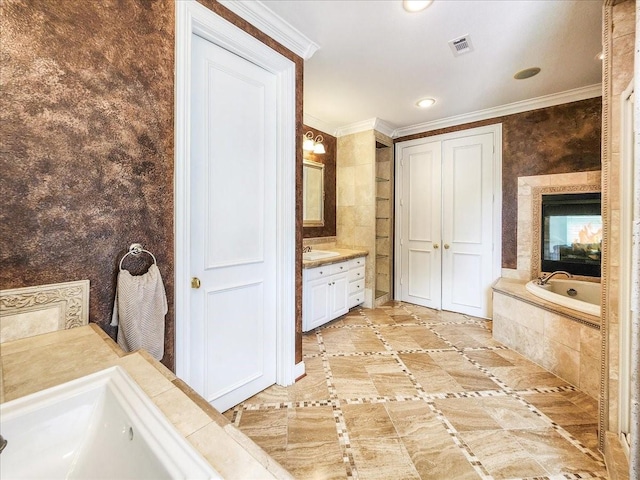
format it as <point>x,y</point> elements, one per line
<point>446,246</point>
<point>195,282</point>
<point>436,246</point>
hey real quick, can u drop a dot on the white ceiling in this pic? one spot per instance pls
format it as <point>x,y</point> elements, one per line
<point>375,60</point>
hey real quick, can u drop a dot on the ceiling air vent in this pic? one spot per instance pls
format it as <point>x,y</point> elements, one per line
<point>461,45</point>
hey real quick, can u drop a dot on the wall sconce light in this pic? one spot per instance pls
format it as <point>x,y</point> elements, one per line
<point>314,145</point>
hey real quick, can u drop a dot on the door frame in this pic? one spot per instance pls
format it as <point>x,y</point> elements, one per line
<point>496,130</point>
<point>194,18</point>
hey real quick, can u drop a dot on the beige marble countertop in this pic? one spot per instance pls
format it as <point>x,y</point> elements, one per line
<point>345,254</point>
<point>36,363</point>
<point>516,288</point>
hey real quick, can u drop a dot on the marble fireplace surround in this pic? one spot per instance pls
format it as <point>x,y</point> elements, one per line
<point>530,191</point>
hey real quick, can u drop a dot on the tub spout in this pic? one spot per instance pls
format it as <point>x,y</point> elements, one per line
<point>3,443</point>
<point>545,278</point>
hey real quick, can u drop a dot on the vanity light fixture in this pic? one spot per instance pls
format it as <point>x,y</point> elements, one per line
<point>425,102</point>
<point>415,5</point>
<point>311,144</point>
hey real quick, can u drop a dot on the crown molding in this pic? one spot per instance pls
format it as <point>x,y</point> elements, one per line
<point>318,124</point>
<point>568,96</point>
<point>384,127</point>
<point>364,125</point>
<point>261,17</point>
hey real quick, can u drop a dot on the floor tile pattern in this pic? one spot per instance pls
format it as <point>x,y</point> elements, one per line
<point>405,392</point>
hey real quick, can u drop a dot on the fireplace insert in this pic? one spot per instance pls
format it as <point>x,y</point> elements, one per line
<point>571,237</point>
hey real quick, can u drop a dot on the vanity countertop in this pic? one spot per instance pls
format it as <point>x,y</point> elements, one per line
<point>345,254</point>
<point>32,364</point>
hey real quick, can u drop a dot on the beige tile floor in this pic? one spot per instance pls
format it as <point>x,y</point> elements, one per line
<point>405,392</point>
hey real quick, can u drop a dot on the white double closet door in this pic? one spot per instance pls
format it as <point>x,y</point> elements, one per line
<point>447,220</point>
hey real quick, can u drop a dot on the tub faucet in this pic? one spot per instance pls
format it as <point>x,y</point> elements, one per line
<point>3,443</point>
<point>306,249</point>
<point>544,279</point>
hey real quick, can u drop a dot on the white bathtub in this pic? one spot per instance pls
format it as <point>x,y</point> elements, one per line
<point>99,426</point>
<point>585,298</point>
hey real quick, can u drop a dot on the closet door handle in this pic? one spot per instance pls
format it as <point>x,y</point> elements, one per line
<point>195,282</point>
<point>446,246</point>
<point>436,246</point>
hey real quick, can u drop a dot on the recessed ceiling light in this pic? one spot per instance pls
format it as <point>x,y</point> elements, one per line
<point>526,73</point>
<point>415,5</point>
<point>425,102</point>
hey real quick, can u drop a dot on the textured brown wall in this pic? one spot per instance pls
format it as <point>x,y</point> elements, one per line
<point>87,144</point>
<point>559,139</point>
<point>329,161</point>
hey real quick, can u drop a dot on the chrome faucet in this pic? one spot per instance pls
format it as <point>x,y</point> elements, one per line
<point>3,443</point>
<point>306,249</point>
<point>545,279</point>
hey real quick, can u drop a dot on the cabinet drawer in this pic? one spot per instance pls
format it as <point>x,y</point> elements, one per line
<point>324,271</point>
<point>339,267</point>
<point>356,286</point>
<point>356,274</point>
<point>356,299</point>
<point>356,262</point>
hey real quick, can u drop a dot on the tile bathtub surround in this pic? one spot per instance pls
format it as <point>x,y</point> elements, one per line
<point>407,392</point>
<point>564,346</point>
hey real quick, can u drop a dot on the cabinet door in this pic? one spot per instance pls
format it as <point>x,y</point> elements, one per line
<point>339,291</point>
<point>317,300</point>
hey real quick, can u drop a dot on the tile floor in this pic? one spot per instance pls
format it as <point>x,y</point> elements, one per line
<point>405,392</point>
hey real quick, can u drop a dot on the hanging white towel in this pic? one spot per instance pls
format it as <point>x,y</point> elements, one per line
<point>139,310</point>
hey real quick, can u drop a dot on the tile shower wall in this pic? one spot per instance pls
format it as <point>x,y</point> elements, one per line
<point>356,197</point>
<point>621,37</point>
<point>87,164</point>
<point>559,139</point>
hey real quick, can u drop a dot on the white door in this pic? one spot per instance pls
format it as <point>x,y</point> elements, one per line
<point>467,226</point>
<point>233,226</point>
<point>420,232</point>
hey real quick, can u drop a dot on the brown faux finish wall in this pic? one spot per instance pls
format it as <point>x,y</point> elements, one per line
<point>88,144</point>
<point>329,161</point>
<point>559,139</point>
<point>87,134</point>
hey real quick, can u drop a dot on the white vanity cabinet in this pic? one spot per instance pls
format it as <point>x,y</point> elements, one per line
<point>330,290</point>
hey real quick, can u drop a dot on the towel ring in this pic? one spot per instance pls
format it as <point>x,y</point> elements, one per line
<point>137,249</point>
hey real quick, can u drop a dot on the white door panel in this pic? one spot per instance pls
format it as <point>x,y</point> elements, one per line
<point>233,218</point>
<point>420,285</point>
<point>466,276</point>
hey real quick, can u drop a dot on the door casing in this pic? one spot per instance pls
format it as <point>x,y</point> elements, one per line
<point>192,17</point>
